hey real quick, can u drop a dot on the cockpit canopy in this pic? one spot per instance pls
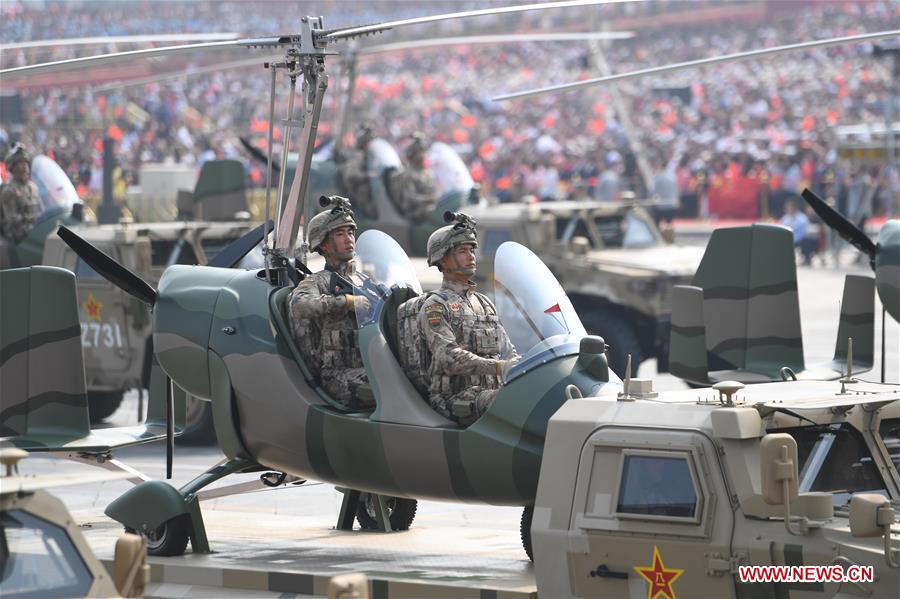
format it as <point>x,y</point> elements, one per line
<point>56,191</point>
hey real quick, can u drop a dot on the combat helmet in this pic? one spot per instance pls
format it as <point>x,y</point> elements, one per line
<point>416,145</point>
<point>460,230</point>
<point>340,215</point>
<point>16,153</point>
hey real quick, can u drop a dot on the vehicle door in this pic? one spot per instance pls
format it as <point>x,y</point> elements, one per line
<point>653,507</point>
<point>106,316</point>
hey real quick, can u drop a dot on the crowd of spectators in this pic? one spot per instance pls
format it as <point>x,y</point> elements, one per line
<point>723,140</point>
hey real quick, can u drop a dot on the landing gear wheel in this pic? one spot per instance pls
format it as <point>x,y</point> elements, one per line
<point>620,337</point>
<point>170,538</point>
<point>401,512</point>
<point>198,423</point>
<point>525,530</point>
<point>103,404</point>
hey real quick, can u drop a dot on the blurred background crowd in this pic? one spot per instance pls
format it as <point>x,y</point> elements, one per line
<point>728,141</point>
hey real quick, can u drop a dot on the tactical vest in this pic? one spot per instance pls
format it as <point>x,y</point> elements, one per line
<point>414,355</point>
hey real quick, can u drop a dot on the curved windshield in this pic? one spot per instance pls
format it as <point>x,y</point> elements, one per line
<point>385,269</point>
<point>532,306</point>
<point>382,155</point>
<point>54,187</point>
<point>450,172</point>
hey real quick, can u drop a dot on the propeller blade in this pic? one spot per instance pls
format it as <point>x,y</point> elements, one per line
<point>111,270</point>
<point>258,154</point>
<point>170,428</point>
<point>348,32</point>
<point>844,227</point>
<point>835,41</point>
<point>237,249</point>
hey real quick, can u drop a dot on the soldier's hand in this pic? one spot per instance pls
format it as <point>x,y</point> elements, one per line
<point>358,303</point>
<point>503,367</point>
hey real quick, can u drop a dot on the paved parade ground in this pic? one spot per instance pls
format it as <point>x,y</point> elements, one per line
<point>283,541</point>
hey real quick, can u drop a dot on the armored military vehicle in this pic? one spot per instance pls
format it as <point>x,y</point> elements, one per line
<point>676,494</point>
<point>115,328</point>
<point>43,551</point>
<point>611,260</point>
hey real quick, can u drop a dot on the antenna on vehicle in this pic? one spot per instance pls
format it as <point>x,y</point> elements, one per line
<point>623,396</point>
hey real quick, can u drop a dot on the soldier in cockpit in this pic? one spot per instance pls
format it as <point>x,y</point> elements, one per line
<point>413,187</point>
<point>469,349</point>
<point>323,308</point>
<point>355,172</point>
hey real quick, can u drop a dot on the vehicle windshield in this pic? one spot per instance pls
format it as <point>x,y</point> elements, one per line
<point>382,155</point>
<point>57,193</point>
<point>533,308</point>
<point>834,459</point>
<point>450,172</point>
<point>385,270</point>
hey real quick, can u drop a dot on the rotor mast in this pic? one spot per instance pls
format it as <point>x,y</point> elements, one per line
<point>304,58</point>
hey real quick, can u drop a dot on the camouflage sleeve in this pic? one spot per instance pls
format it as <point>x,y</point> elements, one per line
<point>308,301</point>
<point>447,357</point>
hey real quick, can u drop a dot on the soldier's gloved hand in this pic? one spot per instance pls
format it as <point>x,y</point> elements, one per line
<point>503,367</point>
<point>358,303</point>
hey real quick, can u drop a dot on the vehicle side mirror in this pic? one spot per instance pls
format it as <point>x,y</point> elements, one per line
<point>580,245</point>
<point>778,471</point>
<point>778,468</point>
<point>130,570</point>
<point>871,515</point>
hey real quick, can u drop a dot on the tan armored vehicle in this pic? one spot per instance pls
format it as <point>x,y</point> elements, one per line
<point>42,550</point>
<point>610,259</point>
<point>116,333</point>
<point>674,495</point>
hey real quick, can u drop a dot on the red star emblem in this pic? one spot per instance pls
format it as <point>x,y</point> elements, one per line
<point>659,577</point>
<point>92,308</point>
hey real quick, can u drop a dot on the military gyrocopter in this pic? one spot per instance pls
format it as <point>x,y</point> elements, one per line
<point>222,335</point>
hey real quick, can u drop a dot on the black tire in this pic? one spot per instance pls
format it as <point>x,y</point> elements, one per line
<point>621,338</point>
<point>401,512</point>
<point>103,404</point>
<point>525,530</point>
<point>198,426</point>
<point>169,539</point>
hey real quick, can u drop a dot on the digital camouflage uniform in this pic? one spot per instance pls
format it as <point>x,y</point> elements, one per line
<point>466,342</point>
<point>414,192</point>
<point>319,315</point>
<point>19,207</point>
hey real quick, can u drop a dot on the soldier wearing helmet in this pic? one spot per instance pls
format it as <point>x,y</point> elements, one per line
<point>323,307</point>
<point>20,203</point>
<point>355,172</point>
<point>413,188</point>
<point>470,350</point>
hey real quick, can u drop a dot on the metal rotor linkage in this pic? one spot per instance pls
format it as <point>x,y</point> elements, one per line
<point>305,56</point>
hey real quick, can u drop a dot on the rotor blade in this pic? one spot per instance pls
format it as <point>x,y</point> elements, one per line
<point>839,223</point>
<point>258,154</point>
<point>836,41</point>
<point>102,59</point>
<point>237,249</point>
<point>336,34</point>
<point>111,270</point>
<point>497,39</point>
<point>183,74</point>
<point>120,39</point>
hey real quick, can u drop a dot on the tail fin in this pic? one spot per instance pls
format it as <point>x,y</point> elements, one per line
<point>42,381</point>
<point>749,281</point>
<point>687,345</point>
<point>857,321</point>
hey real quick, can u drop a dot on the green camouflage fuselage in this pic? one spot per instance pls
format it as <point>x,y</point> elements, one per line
<point>216,338</point>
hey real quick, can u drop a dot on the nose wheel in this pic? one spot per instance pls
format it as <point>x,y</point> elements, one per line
<point>401,512</point>
<point>168,539</point>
